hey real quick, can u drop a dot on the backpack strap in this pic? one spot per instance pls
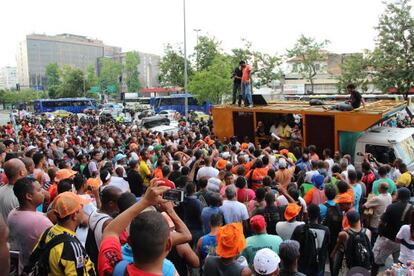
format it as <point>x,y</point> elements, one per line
<point>407,207</point>
<point>120,268</point>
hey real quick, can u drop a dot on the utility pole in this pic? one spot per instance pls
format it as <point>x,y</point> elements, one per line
<point>185,64</point>
<point>197,31</point>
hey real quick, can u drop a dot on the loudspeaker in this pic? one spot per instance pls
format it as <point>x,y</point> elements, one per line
<point>258,99</point>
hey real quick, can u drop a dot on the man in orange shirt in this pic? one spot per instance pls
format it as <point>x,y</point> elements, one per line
<point>246,84</point>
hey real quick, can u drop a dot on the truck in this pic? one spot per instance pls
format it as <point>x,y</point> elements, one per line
<point>355,132</point>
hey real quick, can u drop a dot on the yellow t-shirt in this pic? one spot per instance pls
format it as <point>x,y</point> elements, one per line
<point>68,258</point>
<point>145,172</point>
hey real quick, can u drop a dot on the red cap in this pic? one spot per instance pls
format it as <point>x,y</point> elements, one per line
<point>258,223</point>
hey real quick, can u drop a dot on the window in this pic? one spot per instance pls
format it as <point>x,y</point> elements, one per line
<point>383,154</point>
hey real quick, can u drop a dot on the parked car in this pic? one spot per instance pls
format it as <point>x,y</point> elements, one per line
<point>62,113</point>
<point>168,113</point>
<point>112,108</point>
<point>199,116</point>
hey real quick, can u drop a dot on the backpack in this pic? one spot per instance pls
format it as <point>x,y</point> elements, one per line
<point>86,172</point>
<point>333,221</point>
<point>309,253</point>
<point>39,259</point>
<point>358,251</point>
<point>90,244</point>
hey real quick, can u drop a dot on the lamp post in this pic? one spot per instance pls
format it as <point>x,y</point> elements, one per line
<point>185,63</point>
<point>197,31</point>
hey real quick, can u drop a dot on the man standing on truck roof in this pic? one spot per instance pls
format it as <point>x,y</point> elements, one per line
<point>237,77</point>
<point>246,84</point>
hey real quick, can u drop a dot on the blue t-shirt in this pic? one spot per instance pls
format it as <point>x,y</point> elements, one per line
<point>324,210</point>
<point>168,268</point>
<point>205,217</point>
<point>357,195</point>
<point>208,246</point>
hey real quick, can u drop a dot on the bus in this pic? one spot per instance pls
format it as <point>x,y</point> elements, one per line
<point>176,102</point>
<point>74,105</point>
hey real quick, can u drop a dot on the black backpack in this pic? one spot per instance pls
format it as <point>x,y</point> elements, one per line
<point>333,221</point>
<point>39,259</point>
<point>90,244</point>
<point>86,172</point>
<point>309,254</point>
<point>358,251</point>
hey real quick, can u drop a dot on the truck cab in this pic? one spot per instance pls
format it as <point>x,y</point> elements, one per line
<point>386,144</point>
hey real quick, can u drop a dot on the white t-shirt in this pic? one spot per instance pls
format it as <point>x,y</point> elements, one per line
<point>309,175</point>
<point>120,183</point>
<point>207,172</point>
<point>282,201</point>
<point>285,229</point>
<point>82,232</point>
<point>406,254</point>
<point>331,163</point>
<point>234,211</point>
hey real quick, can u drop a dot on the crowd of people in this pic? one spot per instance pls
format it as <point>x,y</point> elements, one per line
<point>81,198</point>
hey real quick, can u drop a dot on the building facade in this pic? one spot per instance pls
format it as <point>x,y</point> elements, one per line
<point>8,77</point>
<point>148,69</point>
<point>38,50</point>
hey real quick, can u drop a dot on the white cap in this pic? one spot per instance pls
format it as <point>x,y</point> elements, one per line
<point>225,155</point>
<point>213,184</point>
<point>266,261</point>
<point>282,163</point>
<point>29,148</point>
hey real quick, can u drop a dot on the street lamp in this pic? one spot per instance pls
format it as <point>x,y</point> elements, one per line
<point>185,63</point>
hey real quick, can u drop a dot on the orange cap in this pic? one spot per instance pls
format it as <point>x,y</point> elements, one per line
<point>230,240</point>
<point>284,152</point>
<point>67,203</point>
<point>221,164</point>
<point>344,198</point>
<point>93,182</point>
<point>210,142</point>
<point>292,211</point>
<point>244,146</point>
<point>63,174</point>
<point>133,146</point>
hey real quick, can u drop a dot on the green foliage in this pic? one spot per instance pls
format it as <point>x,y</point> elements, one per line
<point>393,56</point>
<point>205,51</point>
<point>355,69</point>
<point>131,69</point>
<point>91,78</point>
<point>72,83</point>
<point>214,82</point>
<point>109,73</point>
<point>266,69</point>
<point>172,68</point>
<point>22,96</point>
<point>308,52</point>
<point>53,79</point>
<point>244,53</point>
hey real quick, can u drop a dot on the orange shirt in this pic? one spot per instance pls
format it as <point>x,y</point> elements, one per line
<point>158,173</point>
<point>283,177</point>
<point>246,73</point>
<point>257,177</point>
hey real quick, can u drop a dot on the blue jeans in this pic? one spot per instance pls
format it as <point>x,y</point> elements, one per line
<point>247,93</point>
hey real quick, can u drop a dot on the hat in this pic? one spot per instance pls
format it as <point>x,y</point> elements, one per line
<point>93,182</point>
<point>111,140</point>
<point>133,146</point>
<point>344,198</point>
<point>358,271</point>
<point>282,163</point>
<point>63,174</point>
<point>210,142</point>
<point>29,148</point>
<point>258,223</point>
<point>119,157</point>
<point>317,180</point>
<point>292,210</point>
<point>221,164</point>
<point>230,240</point>
<point>266,261</point>
<point>244,146</point>
<point>150,148</point>
<point>157,147</point>
<point>213,184</point>
<point>225,155</point>
<point>284,152</point>
<point>403,193</point>
<point>67,203</point>
<point>55,140</point>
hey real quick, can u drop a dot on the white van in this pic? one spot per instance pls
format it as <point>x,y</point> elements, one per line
<point>386,144</point>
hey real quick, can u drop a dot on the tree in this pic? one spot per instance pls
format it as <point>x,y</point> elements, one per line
<point>22,96</point>
<point>244,53</point>
<point>355,70</point>
<point>213,83</point>
<point>110,72</point>
<point>265,69</point>
<point>131,69</point>
<point>72,83</point>
<point>53,79</point>
<point>307,51</point>
<point>393,56</point>
<point>172,67</point>
<point>205,51</point>
<point>91,78</point>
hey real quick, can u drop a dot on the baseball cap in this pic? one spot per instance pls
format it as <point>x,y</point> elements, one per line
<point>63,174</point>
<point>29,148</point>
<point>133,146</point>
<point>93,182</point>
<point>119,157</point>
<point>221,164</point>
<point>230,240</point>
<point>225,155</point>
<point>67,203</point>
<point>266,261</point>
<point>292,211</point>
<point>244,146</point>
<point>344,198</point>
<point>284,152</point>
<point>157,147</point>
<point>282,163</point>
<point>150,148</point>
<point>258,223</point>
<point>213,184</point>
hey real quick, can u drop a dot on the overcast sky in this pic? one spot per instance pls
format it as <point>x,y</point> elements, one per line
<point>147,25</point>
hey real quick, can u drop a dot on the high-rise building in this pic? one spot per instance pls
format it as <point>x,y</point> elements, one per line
<point>8,77</point>
<point>148,69</point>
<point>38,50</point>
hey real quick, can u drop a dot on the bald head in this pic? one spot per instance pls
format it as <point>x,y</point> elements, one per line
<point>14,170</point>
